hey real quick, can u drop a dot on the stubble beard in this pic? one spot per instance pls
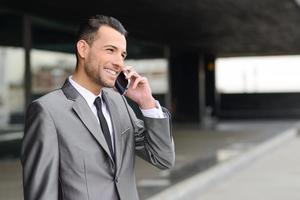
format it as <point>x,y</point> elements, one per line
<point>96,78</point>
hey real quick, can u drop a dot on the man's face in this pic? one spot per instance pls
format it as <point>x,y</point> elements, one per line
<point>105,57</point>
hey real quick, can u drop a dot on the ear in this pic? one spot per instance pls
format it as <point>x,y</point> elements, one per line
<point>82,48</point>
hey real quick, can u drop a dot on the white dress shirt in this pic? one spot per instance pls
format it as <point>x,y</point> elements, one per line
<point>90,98</point>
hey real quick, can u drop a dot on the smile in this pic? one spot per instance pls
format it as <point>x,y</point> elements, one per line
<point>112,72</point>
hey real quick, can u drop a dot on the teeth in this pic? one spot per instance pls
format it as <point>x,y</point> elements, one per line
<point>111,71</point>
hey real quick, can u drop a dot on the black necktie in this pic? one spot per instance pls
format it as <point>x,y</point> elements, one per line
<point>103,124</point>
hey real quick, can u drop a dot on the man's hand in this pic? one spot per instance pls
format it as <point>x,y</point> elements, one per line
<point>139,89</point>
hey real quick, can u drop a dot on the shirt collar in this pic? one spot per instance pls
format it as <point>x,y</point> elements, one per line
<point>87,95</point>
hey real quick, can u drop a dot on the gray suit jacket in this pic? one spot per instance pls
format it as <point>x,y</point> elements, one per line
<point>65,156</point>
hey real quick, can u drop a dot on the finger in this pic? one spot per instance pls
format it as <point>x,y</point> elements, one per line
<point>127,69</point>
<point>132,74</point>
<point>137,81</point>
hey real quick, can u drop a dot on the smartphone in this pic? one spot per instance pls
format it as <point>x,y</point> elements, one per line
<point>122,83</point>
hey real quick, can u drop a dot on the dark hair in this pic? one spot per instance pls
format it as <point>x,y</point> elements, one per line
<point>88,29</point>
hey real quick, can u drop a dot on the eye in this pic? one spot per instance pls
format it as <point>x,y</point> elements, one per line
<point>110,50</point>
<point>124,55</point>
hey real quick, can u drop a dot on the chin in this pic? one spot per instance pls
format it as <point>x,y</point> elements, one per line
<point>109,85</point>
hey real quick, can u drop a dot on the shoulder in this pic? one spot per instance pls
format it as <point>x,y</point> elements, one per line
<point>50,97</point>
<point>51,100</point>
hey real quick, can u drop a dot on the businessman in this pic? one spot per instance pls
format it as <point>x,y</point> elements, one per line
<point>80,141</point>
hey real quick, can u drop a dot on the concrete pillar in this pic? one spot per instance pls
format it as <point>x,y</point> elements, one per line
<point>187,85</point>
<point>210,86</point>
<point>27,43</point>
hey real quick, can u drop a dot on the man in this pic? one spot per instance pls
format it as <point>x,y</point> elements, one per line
<point>70,151</point>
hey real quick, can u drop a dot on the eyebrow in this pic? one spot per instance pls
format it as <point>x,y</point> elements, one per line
<point>114,47</point>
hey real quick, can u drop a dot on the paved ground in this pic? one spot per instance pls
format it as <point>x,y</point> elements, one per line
<point>276,176</point>
<point>10,180</point>
<point>197,150</point>
<point>200,149</point>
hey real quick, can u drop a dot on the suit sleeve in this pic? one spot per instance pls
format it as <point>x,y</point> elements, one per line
<point>153,139</point>
<point>39,155</point>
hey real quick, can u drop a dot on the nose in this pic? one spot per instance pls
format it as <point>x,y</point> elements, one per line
<point>118,62</point>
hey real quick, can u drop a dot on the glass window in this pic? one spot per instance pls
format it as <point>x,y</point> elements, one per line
<point>11,86</point>
<point>265,74</point>
<point>50,70</point>
<point>155,70</point>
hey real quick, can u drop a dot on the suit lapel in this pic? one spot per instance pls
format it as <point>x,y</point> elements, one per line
<point>85,114</point>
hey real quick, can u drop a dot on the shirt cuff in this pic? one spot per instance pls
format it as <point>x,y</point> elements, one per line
<point>154,112</point>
